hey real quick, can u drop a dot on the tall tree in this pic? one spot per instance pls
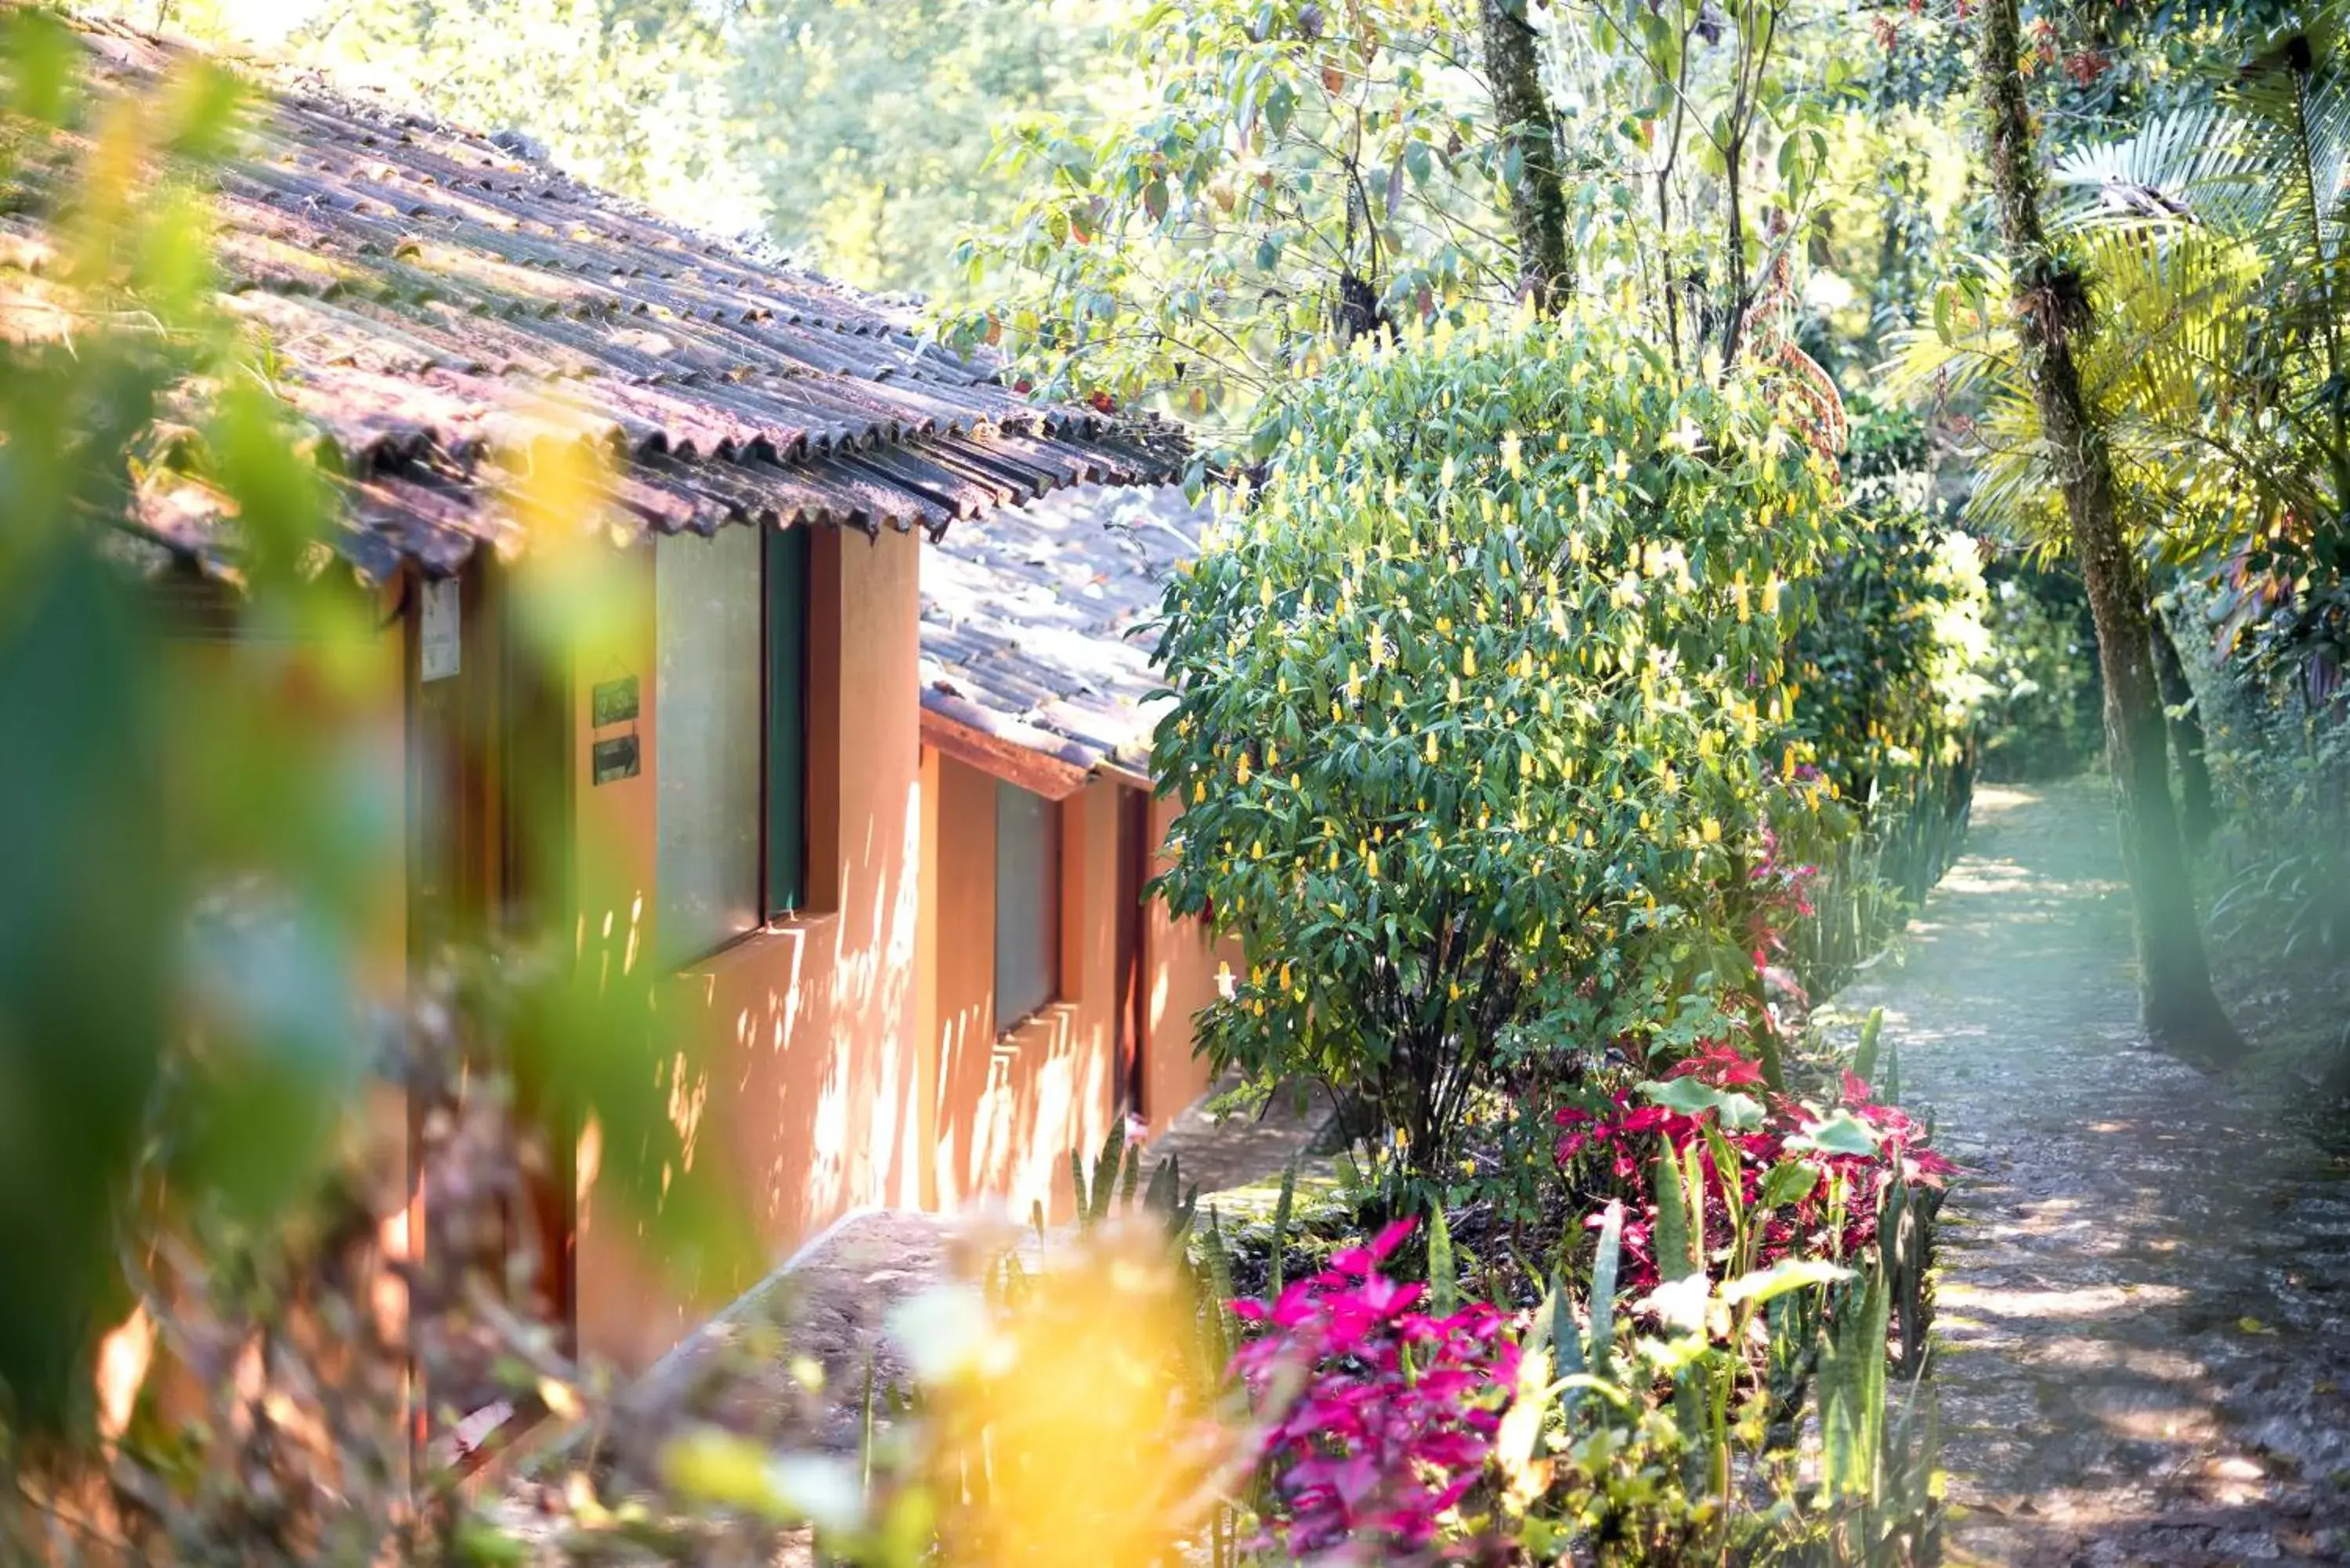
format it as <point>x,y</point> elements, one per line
<point>1537,191</point>
<point>2198,811</point>
<point>2051,308</point>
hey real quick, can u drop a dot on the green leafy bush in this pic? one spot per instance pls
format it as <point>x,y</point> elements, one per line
<point>1890,675</point>
<point>1891,668</point>
<point>1472,707</point>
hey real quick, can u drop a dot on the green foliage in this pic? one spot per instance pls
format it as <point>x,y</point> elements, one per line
<point>1891,677</point>
<point>1111,1190</point>
<point>2213,268</point>
<point>1751,1418</point>
<point>631,95</point>
<point>1199,246</point>
<point>199,863</point>
<point>855,133</point>
<point>880,158</point>
<point>2041,717</point>
<point>1311,172</point>
<point>1470,709</point>
<point>1890,668</point>
<point>2280,755</point>
<point>106,953</point>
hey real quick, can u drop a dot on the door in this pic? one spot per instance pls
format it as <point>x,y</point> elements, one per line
<point>489,813</point>
<point>1133,951</point>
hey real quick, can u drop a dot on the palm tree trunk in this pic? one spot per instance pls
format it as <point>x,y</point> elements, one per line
<point>1538,199</point>
<point>2197,814</point>
<point>2174,998</point>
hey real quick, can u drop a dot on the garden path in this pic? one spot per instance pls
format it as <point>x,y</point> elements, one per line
<point>2144,1298</point>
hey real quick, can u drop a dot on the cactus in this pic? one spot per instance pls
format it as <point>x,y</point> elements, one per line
<point>1111,1186</point>
<point>1443,1272</point>
<point>1679,1252</point>
<point>1281,1209</point>
<point>1864,1061</point>
<point>1096,1208</point>
<point>1603,1288</point>
<point>1852,1391</point>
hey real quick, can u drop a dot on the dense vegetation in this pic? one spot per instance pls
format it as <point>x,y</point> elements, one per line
<point>1480,714</point>
<point>1657,469</point>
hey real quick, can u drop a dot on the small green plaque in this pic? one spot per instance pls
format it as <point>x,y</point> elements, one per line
<point>615,702</point>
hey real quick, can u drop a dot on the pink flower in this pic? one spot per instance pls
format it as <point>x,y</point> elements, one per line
<point>1620,1143</point>
<point>1719,1064</point>
<point>1370,1454</point>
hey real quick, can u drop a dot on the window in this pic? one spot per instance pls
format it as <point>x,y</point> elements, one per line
<point>1027,903</point>
<point>731,733</point>
<point>787,718</point>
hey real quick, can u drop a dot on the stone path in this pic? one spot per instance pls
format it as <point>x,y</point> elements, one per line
<point>791,1356</point>
<point>2145,1288</point>
<point>1219,1155</point>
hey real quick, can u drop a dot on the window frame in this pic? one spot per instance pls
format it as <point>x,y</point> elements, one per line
<point>1052,885</point>
<point>786,711</point>
<point>786,581</point>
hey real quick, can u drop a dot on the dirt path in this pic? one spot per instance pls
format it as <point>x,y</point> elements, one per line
<point>2145,1288</point>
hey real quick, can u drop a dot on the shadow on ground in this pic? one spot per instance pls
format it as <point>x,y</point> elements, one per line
<point>2144,1291</point>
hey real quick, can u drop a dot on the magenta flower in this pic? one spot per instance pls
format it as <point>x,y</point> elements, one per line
<point>1370,1454</point>
<point>1620,1143</point>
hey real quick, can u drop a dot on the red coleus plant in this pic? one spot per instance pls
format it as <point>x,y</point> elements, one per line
<point>1834,1212</point>
<point>1396,1413</point>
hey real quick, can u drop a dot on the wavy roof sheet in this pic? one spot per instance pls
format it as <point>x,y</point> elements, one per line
<point>1038,625</point>
<point>436,304</point>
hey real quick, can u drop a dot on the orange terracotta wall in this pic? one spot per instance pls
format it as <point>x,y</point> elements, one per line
<point>1010,1106</point>
<point>850,1056</point>
<point>1179,979</point>
<point>798,1069</point>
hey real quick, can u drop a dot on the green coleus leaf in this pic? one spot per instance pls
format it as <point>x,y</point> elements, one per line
<point>1790,1181</point>
<point>1740,1113</point>
<point>1783,1278</point>
<point>1839,1133</point>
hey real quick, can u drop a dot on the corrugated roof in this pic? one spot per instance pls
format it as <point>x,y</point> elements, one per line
<point>435,302</point>
<point>1038,625</point>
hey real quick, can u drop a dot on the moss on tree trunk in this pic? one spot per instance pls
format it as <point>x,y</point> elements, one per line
<point>2175,997</point>
<point>2198,814</point>
<point>1538,198</point>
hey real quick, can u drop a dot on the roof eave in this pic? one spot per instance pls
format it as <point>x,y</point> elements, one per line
<point>1019,754</point>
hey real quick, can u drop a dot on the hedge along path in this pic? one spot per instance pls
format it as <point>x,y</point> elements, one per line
<point>2143,1298</point>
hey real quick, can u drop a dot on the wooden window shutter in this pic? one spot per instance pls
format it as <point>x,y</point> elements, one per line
<point>787,761</point>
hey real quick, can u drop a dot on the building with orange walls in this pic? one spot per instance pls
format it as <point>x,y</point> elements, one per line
<point>853,1054</point>
<point>1037,704</point>
<point>884,878</point>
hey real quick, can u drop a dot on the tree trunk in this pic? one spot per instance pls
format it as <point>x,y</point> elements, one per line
<point>2176,1002</point>
<point>1538,199</point>
<point>2197,814</point>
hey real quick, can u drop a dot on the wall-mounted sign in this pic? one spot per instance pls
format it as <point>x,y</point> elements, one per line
<point>615,702</point>
<point>437,658</point>
<point>613,760</point>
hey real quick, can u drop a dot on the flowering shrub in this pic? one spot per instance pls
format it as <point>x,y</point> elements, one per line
<point>1472,700</point>
<point>1372,1451</point>
<point>1817,1181</point>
